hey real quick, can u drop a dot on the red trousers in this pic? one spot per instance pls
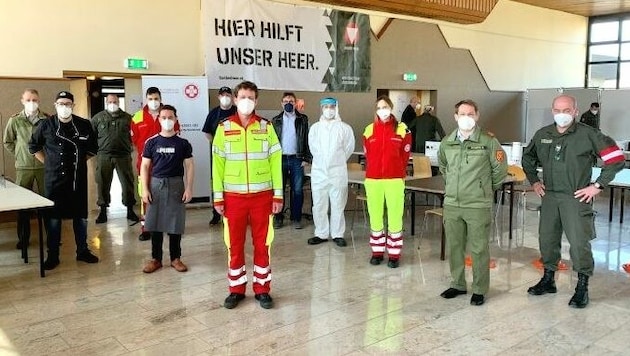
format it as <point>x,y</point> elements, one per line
<point>240,210</point>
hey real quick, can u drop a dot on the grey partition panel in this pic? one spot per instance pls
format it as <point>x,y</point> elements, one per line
<point>538,110</point>
<point>539,105</point>
<point>615,114</point>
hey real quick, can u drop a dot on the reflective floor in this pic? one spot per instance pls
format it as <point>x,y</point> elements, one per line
<point>329,300</point>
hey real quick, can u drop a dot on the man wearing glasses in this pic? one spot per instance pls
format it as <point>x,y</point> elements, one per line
<point>292,129</point>
<point>64,142</point>
<point>565,151</point>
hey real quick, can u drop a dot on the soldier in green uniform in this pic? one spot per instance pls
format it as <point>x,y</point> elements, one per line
<point>565,151</point>
<point>473,165</point>
<point>17,133</point>
<point>112,128</point>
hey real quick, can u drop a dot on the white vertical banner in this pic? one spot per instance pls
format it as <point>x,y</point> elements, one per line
<point>189,95</point>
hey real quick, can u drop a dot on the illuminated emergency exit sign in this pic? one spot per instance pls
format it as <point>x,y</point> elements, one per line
<point>136,63</point>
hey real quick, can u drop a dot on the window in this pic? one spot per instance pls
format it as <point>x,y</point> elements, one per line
<point>608,53</point>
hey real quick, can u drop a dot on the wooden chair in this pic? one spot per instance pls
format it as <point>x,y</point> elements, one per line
<point>439,212</point>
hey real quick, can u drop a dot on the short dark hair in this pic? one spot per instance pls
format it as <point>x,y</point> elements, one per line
<point>169,107</point>
<point>289,93</point>
<point>594,105</point>
<point>467,102</point>
<point>386,99</point>
<point>153,90</point>
<point>246,85</point>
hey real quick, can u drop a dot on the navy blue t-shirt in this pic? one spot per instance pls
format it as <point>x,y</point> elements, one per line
<point>215,116</point>
<point>167,155</point>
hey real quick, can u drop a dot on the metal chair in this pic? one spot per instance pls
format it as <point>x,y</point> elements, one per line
<point>520,190</point>
<point>360,197</point>
<point>439,212</point>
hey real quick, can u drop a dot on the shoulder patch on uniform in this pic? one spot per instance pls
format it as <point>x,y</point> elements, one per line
<point>499,155</point>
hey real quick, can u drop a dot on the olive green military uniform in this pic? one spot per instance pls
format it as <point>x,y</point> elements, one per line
<point>114,152</point>
<point>472,170</point>
<point>28,169</point>
<point>566,160</point>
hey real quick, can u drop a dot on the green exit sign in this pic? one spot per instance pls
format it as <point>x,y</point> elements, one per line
<point>410,77</point>
<point>136,63</point>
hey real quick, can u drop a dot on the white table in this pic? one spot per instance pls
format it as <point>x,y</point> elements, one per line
<point>15,198</point>
<point>622,182</point>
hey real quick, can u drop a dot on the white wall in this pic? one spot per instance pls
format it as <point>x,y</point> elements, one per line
<point>45,38</point>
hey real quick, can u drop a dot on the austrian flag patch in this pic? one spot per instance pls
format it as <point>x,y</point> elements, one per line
<point>611,154</point>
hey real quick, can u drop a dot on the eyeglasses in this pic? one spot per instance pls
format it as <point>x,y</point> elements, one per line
<point>68,105</point>
<point>288,101</point>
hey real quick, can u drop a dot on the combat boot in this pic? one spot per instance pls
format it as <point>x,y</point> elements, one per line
<point>547,284</point>
<point>580,298</point>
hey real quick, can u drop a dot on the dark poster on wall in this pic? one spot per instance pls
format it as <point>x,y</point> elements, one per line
<point>350,67</point>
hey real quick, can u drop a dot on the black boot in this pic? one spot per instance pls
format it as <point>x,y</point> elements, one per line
<point>580,298</point>
<point>102,216</point>
<point>131,215</point>
<point>547,284</point>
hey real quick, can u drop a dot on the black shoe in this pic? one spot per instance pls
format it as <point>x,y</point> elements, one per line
<point>393,263</point>
<point>216,218</point>
<point>316,240</point>
<point>340,241</point>
<point>145,236</point>
<point>232,300</point>
<point>580,298</point>
<point>547,284</point>
<point>51,263</point>
<point>131,215</point>
<point>376,260</point>
<point>477,299</point>
<point>102,216</point>
<point>277,223</point>
<point>265,300</point>
<point>87,256</point>
<point>452,293</point>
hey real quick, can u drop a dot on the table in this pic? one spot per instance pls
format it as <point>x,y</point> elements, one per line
<point>622,182</point>
<point>16,198</point>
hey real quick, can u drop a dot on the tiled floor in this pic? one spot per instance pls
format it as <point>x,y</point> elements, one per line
<point>329,300</point>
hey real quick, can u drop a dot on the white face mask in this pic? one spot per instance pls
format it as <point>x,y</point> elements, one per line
<point>594,112</point>
<point>153,105</point>
<point>245,106</point>
<point>383,114</point>
<point>225,101</point>
<point>63,112</point>
<point>167,125</point>
<point>465,122</point>
<point>329,113</point>
<point>112,107</point>
<point>418,106</point>
<point>31,107</point>
<point>562,119</point>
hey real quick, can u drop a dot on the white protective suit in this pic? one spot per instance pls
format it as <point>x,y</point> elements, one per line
<point>331,143</point>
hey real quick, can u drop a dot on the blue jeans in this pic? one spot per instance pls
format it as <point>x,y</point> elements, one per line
<point>79,225</point>
<point>293,172</point>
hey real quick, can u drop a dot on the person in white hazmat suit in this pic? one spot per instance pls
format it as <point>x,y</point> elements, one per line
<point>331,142</point>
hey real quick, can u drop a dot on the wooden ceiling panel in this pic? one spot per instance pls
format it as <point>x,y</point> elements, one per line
<point>476,11</point>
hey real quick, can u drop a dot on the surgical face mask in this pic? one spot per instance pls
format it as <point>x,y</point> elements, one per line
<point>594,112</point>
<point>465,122</point>
<point>112,107</point>
<point>153,104</point>
<point>383,114</point>
<point>31,107</point>
<point>63,112</point>
<point>418,106</point>
<point>245,106</point>
<point>562,119</point>
<point>167,125</point>
<point>288,107</point>
<point>225,101</point>
<point>329,113</point>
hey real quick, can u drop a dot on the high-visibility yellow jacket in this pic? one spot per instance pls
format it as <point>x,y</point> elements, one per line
<point>246,159</point>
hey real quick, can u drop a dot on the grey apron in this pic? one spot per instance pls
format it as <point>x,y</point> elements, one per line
<point>167,212</point>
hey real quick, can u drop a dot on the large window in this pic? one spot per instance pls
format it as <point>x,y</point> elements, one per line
<point>608,55</point>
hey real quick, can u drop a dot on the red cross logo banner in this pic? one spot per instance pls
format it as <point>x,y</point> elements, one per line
<point>191,91</point>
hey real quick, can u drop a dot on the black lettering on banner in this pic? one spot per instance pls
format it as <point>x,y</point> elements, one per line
<point>244,56</point>
<point>229,28</point>
<point>277,31</point>
<point>296,60</point>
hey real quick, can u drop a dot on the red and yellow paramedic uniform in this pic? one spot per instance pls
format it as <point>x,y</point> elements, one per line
<point>387,148</point>
<point>246,179</point>
<point>143,127</point>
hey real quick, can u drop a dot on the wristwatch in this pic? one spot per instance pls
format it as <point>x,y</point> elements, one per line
<point>598,186</point>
